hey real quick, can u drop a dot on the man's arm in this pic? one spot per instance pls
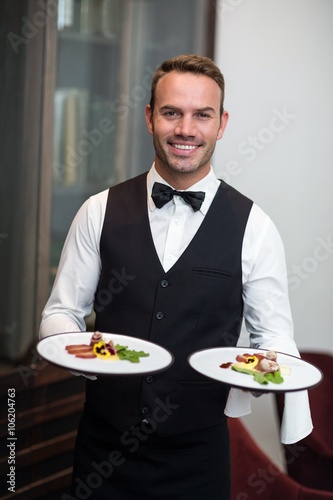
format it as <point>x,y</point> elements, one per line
<point>72,295</point>
<point>267,311</point>
<point>268,318</point>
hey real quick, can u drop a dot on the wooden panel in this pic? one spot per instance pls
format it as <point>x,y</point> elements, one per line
<point>48,409</point>
<point>54,482</point>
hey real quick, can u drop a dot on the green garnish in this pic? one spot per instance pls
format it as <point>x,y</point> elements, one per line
<point>274,377</point>
<point>262,377</point>
<point>133,356</point>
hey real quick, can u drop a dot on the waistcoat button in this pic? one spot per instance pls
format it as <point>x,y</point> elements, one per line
<point>144,410</point>
<point>159,315</point>
<point>149,379</point>
<point>164,283</point>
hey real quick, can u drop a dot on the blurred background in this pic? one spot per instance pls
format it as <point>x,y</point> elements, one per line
<point>277,61</point>
<point>76,78</point>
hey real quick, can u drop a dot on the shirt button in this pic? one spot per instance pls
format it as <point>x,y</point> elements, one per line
<point>164,283</point>
<point>149,379</point>
<point>144,410</point>
<point>159,315</point>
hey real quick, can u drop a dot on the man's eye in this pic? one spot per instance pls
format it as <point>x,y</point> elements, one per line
<point>204,115</point>
<point>171,114</point>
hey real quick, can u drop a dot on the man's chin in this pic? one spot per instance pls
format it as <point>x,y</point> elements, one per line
<point>183,165</point>
<point>183,168</point>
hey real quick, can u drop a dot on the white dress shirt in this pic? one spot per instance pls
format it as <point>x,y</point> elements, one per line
<point>265,293</point>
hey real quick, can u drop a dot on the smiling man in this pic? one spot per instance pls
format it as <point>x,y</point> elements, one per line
<point>185,120</point>
<point>195,257</point>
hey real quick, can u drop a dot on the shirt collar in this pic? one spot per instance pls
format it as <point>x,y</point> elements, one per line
<point>208,184</point>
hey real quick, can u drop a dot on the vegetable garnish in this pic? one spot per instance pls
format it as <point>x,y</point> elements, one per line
<point>262,377</point>
<point>133,356</point>
<point>263,368</point>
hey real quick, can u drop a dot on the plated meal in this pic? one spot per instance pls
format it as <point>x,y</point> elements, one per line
<point>262,366</point>
<point>104,349</point>
<point>253,369</point>
<point>99,353</point>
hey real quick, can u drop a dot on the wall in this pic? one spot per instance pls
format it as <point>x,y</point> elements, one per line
<point>277,60</point>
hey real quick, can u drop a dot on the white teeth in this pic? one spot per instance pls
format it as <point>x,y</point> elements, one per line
<point>183,146</point>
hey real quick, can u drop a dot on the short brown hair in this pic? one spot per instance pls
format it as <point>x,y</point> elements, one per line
<point>198,65</point>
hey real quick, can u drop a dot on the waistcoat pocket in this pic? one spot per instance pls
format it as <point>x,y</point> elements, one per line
<point>212,273</point>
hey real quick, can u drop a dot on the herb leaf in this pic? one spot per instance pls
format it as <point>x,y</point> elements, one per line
<point>275,377</point>
<point>262,377</point>
<point>131,355</point>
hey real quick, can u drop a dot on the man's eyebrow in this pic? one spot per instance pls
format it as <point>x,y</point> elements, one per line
<point>206,108</point>
<point>176,108</point>
<point>169,106</point>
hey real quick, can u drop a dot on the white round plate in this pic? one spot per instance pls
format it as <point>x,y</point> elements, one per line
<point>303,375</point>
<point>53,349</point>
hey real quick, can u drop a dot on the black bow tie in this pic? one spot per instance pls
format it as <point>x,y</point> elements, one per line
<point>162,194</point>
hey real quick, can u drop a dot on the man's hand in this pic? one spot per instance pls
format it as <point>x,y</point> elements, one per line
<point>257,394</point>
<point>86,375</point>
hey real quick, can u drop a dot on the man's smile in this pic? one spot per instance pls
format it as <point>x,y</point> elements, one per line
<point>184,148</point>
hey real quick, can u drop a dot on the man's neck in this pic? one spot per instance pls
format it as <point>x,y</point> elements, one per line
<point>182,180</point>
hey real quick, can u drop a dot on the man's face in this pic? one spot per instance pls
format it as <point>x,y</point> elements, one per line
<point>185,125</point>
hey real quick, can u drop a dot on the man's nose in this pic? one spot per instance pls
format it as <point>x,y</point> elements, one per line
<point>186,127</point>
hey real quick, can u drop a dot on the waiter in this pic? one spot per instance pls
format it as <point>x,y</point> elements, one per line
<point>177,257</point>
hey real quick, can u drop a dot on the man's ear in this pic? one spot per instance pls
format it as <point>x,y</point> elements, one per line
<point>149,118</point>
<point>223,124</point>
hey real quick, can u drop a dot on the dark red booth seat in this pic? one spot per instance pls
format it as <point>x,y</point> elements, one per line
<point>313,465</point>
<point>255,476</point>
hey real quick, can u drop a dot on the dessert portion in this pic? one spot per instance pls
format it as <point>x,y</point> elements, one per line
<point>262,366</point>
<point>107,350</point>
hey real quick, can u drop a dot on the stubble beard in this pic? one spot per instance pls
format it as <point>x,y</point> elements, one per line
<point>181,164</point>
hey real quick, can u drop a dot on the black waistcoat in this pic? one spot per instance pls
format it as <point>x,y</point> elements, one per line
<point>197,304</point>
